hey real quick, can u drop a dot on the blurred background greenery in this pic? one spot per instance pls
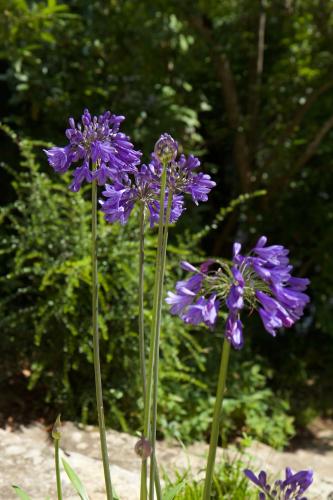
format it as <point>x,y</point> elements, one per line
<point>246,85</point>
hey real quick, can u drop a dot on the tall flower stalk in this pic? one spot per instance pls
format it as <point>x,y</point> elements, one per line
<point>104,153</point>
<point>261,280</point>
<point>159,188</point>
<point>215,432</point>
<point>141,298</point>
<point>154,338</point>
<point>156,352</point>
<point>97,362</point>
<point>56,437</point>
<point>107,158</point>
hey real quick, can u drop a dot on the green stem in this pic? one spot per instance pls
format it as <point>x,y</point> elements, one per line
<point>153,468</point>
<point>153,339</point>
<point>141,299</point>
<point>216,419</point>
<point>142,340</point>
<point>97,363</point>
<point>57,468</point>
<point>141,331</point>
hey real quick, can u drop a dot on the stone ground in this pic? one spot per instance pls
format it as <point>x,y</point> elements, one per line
<point>27,460</point>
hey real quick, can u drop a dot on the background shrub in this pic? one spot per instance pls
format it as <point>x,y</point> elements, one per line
<point>194,69</point>
<point>46,323</point>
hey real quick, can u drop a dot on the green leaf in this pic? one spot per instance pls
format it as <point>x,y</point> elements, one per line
<point>20,493</point>
<point>114,494</point>
<point>75,480</point>
<point>170,493</point>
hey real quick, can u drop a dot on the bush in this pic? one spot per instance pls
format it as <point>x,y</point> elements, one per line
<point>46,325</point>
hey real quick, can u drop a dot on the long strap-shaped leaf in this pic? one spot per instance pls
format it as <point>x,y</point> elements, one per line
<point>75,480</point>
<point>77,483</point>
<point>20,493</point>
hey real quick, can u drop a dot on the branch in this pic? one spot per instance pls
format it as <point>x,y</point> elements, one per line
<point>254,106</point>
<point>312,147</point>
<point>305,157</point>
<point>231,101</point>
<point>298,117</point>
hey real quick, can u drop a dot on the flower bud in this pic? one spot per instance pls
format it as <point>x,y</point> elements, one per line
<point>86,118</point>
<point>143,448</point>
<point>56,434</point>
<point>166,148</point>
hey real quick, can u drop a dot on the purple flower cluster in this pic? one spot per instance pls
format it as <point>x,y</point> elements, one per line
<point>259,280</point>
<point>279,294</point>
<point>104,152</point>
<point>189,303</point>
<point>107,156</point>
<point>143,184</point>
<point>143,187</point>
<point>291,488</point>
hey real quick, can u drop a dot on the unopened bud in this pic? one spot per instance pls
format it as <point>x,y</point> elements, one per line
<point>56,434</point>
<point>143,448</point>
<point>166,148</point>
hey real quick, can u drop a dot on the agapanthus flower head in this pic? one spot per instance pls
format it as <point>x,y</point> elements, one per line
<point>103,152</point>
<point>260,280</point>
<point>182,173</point>
<point>291,488</point>
<point>143,184</point>
<point>141,187</point>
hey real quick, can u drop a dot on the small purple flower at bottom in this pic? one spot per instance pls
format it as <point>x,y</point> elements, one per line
<point>292,487</point>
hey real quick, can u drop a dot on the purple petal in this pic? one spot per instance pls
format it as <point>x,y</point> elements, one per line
<point>188,267</point>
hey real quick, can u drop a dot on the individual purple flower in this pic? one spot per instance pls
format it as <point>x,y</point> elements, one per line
<point>235,303</point>
<point>105,152</point>
<point>292,487</point>
<point>260,280</point>
<point>189,303</point>
<point>59,158</point>
<point>120,200</point>
<point>202,311</point>
<point>177,208</point>
<point>179,301</point>
<point>182,177</point>
<point>234,330</point>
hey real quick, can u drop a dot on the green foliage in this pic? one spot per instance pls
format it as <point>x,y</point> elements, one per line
<point>229,483</point>
<point>257,409</point>
<point>250,405</point>
<point>161,66</point>
<point>45,299</point>
<point>45,317</point>
<point>21,493</point>
<point>75,481</point>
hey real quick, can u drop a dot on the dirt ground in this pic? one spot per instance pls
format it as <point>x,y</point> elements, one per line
<point>27,460</point>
